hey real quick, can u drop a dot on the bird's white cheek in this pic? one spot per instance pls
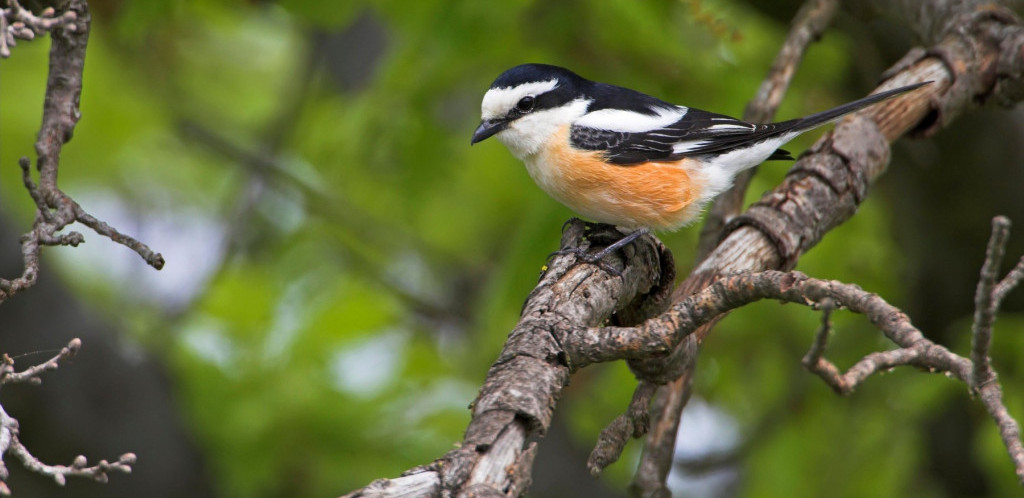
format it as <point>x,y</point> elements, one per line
<point>527,135</point>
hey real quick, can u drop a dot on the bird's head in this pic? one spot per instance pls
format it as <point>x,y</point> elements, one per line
<point>527,104</point>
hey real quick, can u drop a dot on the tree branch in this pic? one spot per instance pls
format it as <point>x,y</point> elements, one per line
<point>660,335</point>
<point>985,304</point>
<point>810,22</point>
<point>561,329</point>
<point>522,387</point>
<point>977,55</point>
<point>55,210</point>
<point>11,444</point>
<point>808,25</point>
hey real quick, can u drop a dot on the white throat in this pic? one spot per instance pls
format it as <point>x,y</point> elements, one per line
<point>526,136</point>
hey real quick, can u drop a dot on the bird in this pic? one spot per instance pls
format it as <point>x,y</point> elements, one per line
<point>621,157</point>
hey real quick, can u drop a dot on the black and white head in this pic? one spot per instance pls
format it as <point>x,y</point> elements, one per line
<point>530,103</point>
<point>527,104</point>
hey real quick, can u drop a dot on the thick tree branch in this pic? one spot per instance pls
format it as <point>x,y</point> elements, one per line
<point>561,331</point>
<point>519,394</point>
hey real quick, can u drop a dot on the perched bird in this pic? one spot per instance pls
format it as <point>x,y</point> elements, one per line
<point>621,157</point>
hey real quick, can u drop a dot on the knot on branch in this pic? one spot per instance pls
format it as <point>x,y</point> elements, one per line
<point>982,50</point>
<point>864,151</point>
<point>662,369</point>
<point>1009,87</point>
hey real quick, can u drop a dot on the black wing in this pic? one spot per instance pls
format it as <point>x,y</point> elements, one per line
<point>697,132</point>
<point>700,132</point>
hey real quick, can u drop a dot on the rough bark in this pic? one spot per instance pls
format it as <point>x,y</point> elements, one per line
<point>522,387</point>
<point>975,56</point>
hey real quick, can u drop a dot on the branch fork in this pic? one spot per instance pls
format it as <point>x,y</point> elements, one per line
<point>661,334</point>
<point>55,210</point>
<point>10,444</point>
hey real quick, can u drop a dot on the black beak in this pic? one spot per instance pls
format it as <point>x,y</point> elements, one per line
<point>487,128</point>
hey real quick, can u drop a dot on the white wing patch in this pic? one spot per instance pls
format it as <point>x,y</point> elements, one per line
<point>630,121</point>
<point>732,126</point>
<point>498,101</point>
<point>688,145</point>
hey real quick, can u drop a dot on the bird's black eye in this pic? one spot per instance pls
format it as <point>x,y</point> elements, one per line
<point>525,104</point>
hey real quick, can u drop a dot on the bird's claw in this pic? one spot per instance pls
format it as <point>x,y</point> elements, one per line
<point>582,256</point>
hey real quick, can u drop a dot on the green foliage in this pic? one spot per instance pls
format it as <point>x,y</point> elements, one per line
<point>372,263</point>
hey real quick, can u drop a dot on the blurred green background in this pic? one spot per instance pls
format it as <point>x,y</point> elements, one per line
<point>342,267</point>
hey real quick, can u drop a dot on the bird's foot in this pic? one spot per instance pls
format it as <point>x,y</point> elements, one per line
<point>597,258</point>
<point>582,256</point>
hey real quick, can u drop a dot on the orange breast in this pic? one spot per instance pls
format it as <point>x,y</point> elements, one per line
<point>659,195</point>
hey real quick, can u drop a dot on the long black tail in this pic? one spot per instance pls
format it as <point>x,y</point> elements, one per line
<point>741,138</point>
<point>815,120</point>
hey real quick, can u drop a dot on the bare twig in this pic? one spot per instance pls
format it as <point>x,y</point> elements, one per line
<point>10,444</point>
<point>632,424</point>
<point>31,375</point>
<point>988,297</point>
<point>661,334</point>
<point>1010,281</point>
<point>813,360</point>
<point>54,212</point>
<point>54,209</point>
<point>985,304</point>
<point>18,23</point>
